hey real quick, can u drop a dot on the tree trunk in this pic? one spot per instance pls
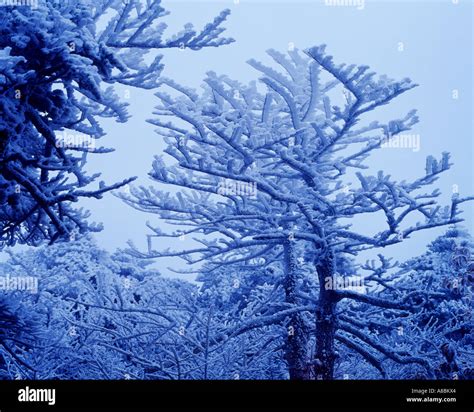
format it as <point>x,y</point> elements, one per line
<point>297,340</point>
<point>326,323</point>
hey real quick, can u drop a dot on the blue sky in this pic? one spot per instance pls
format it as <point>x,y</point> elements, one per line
<point>428,41</point>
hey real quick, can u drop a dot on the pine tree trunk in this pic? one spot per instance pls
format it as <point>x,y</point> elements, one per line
<point>325,320</point>
<point>296,344</point>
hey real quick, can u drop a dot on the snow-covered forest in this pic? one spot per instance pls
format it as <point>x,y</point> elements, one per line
<point>262,194</point>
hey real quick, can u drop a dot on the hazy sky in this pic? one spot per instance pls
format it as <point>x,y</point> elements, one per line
<point>428,41</point>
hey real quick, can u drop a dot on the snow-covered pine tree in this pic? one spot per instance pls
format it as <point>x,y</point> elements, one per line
<point>54,63</point>
<point>262,168</point>
<point>439,330</point>
<point>97,316</point>
<point>442,330</point>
